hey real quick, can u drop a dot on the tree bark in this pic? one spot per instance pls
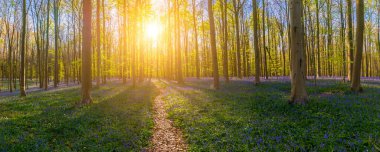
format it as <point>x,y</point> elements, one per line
<point>355,86</point>
<point>213,45</point>
<point>22,50</point>
<point>298,87</point>
<point>98,63</point>
<point>256,42</point>
<point>86,52</point>
<point>350,44</point>
<point>56,39</point>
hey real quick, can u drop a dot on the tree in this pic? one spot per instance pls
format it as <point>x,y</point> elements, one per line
<point>86,52</point>
<point>317,39</point>
<point>197,69</point>
<point>355,85</point>
<point>98,63</point>
<point>213,45</point>
<point>237,7</point>
<point>256,42</point>
<point>224,6</point>
<point>298,62</point>
<point>350,43</point>
<point>264,45</point>
<point>177,42</point>
<point>56,33</point>
<point>22,50</point>
<point>342,28</point>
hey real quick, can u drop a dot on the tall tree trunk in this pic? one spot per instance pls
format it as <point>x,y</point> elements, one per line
<point>46,81</point>
<point>197,69</point>
<point>256,42</point>
<point>56,45</point>
<point>237,32</point>
<point>86,55</point>
<point>22,50</point>
<point>264,45</point>
<point>225,39</point>
<point>177,43</point>
<point>317,39</point>
<point>329,38</point>
<point>355,86</point>
<point>298,62</point>
<point>342,26</point>
<point>213,45</point>
<point>98,63</point>
<point>350,43</point>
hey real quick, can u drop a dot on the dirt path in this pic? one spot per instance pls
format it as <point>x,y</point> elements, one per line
<point>165,137</point>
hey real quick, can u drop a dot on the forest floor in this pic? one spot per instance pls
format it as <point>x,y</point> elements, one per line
<point>166,137</point>
<point>120,119</point>
<point>245,117</point>
<point>238,117</point>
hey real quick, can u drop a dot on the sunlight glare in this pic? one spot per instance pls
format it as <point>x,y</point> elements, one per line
<point>153,29</point>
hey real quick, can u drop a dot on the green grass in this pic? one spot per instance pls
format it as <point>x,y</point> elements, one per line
<point>119,120</point>
<point>244,117</point>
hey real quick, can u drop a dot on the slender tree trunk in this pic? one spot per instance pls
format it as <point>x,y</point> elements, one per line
<point>237,32</point>
<point>56,32</point>
<point>197,69</point>
<point>256,42</point>
<point>22,50</point>
<point>213,45</point>
<point>86,55</point>
<point>98,63</point>
<point>350,43</point>
<point>298,62</point>
<point>355,86</point>
<point>177,43</point>
<point>225,40</point>
<point>317,39</point>
<point>264,45</point>
<point>342,26</point>
<point>46,81</point>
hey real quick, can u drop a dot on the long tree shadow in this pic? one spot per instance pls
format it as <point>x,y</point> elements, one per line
<point>252,117</point>
<point>119,120</point>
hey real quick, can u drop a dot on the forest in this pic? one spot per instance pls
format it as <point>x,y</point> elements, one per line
<point>189,75</point>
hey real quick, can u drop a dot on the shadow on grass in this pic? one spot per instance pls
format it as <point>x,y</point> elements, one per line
<point>245,117</point>
<point>119,120</point>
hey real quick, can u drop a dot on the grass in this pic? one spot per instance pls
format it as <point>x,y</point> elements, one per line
<point>239,117</point>
<point>119,120</point>
<point>244,117</point>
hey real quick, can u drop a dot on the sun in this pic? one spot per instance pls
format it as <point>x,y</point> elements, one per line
<point>153,30</point>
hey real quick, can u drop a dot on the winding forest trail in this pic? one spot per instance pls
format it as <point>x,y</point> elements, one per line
<point>166,137</point>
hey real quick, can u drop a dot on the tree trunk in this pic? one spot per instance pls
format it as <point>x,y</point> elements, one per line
<point>56,32</point>
<point>98,63</point>
<point>86,54</point>
<point>237,32</point>
<point>46,81</point>
<point>298,91</point>
<point>213,45</point>
<point>22,50</point>
<point>256,42</point>
<point>317,40</point>
<point>350,43</point>
<point>177,43</point>
<point>342,26</point>
<point>197,69</point>
<point>355,86</point>
<point>225,39</point>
